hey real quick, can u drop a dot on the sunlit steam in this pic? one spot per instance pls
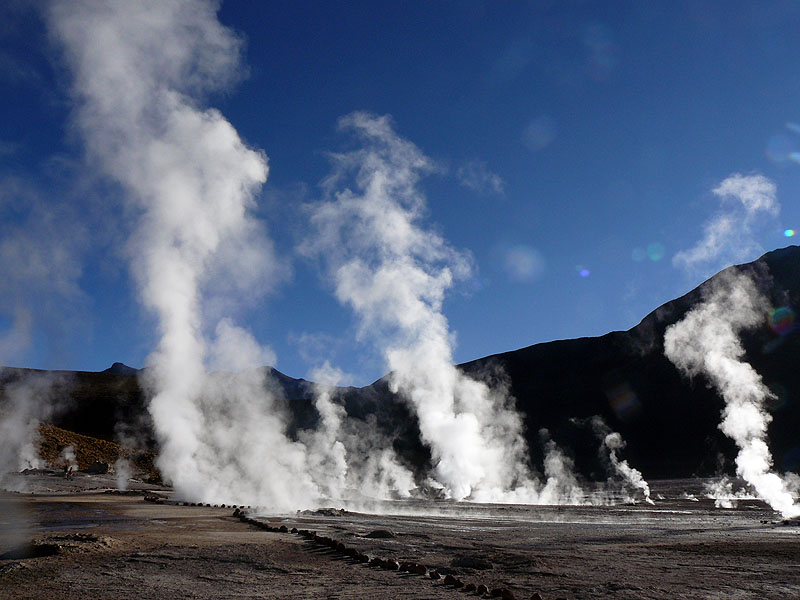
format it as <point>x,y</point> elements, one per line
<point>394,273</point>
<point>745,203</point>
<point>192,181</point>
<point>611,444</point>
<point>707,342</point>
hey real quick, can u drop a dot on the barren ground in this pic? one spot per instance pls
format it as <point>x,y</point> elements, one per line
<point>119,546</point>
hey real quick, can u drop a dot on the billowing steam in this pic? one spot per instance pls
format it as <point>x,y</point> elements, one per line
<point>393,273</point>
<point>27,401</point>
<point>707,342</point>
<point>122,473</point>
<point>195,250</point>
<point>611,444</point>
<point>745,202</point>
<point>191,180</point>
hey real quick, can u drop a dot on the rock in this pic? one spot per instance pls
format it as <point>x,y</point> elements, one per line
<point>418,569</point>
<point>34,550</point>
<point>458,584</point>
<point>536,596</point>
<point>294,530</point>
<point>97,468</point>
<point>391,565</point>
<point>435,575</point>
<point>496,592</point>
<point>449,580</point>
<point>481,590</point>
<point>507,594</point>
<point>470,587</point>
<point>471,562</point>
<point>283,529</point>
<point>380,534</point>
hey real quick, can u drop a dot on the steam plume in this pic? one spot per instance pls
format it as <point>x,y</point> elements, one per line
<point>744,201</point>
<point>393,273</point>
<point>611,444</point>
<point>192,181</point>
<point>27,402</point>
<point>707,342</point>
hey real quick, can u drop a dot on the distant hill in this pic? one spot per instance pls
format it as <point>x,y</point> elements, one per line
<point>669,423</point>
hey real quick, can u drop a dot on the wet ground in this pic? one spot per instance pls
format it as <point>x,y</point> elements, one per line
<point>119,546</point>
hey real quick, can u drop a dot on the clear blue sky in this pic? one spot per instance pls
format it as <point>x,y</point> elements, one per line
<point>579,145</point>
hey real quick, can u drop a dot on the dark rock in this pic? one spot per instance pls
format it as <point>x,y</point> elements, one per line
<point>418,569</point>
<point>481,590</point>
<point>283,529</point>
<point>294,530</point>
<point>35,550</point>
<point>435,575</point>
<point>380,534</point>
<point>449,580</point>
<point>391,565</point>
<point>507,594</point>
<point>536,596</point>
<point>458,584</point>
<point>470,587</point>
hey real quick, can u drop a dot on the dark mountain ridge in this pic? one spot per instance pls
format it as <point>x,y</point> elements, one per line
<point>669,423</point>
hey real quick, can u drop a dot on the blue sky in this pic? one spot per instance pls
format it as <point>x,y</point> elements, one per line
<point>577,144</point>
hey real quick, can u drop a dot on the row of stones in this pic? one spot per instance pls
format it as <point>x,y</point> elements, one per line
<point>388,564</point>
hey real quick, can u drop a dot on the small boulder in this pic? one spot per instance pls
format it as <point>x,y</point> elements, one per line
<point>391,565</point>
<point>380,534</point>
<point>481,590</point>
<point>434,575</point>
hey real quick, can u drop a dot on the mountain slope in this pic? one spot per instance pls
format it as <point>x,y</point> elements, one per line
<point>669,423</point>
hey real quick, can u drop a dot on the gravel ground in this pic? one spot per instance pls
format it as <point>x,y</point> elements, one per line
<point>77,539</point>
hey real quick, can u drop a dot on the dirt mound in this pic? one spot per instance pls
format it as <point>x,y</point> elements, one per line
<point>89,451</point>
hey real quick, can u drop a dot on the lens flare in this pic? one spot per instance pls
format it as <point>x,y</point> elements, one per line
<point>582,271</point>
<point>789,233</point>
<point>655,251</point>
<point>781,320</point>
<point>780,148</point>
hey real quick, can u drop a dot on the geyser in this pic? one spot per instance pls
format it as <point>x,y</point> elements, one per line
<point>394,274</point>
<point>191,180</point>
<point>707,342</point>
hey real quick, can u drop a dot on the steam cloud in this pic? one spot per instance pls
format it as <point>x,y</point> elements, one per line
<point>393,273</point>
<point>728,238</point>
<point>707,342</point>
<point>195,251</point>
<point>611,444</point>
<point>192,181</point>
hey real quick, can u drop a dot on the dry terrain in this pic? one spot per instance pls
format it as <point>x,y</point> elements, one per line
<point>75,539</point>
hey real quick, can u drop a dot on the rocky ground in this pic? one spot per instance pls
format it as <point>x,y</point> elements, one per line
<point>82,539</point>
